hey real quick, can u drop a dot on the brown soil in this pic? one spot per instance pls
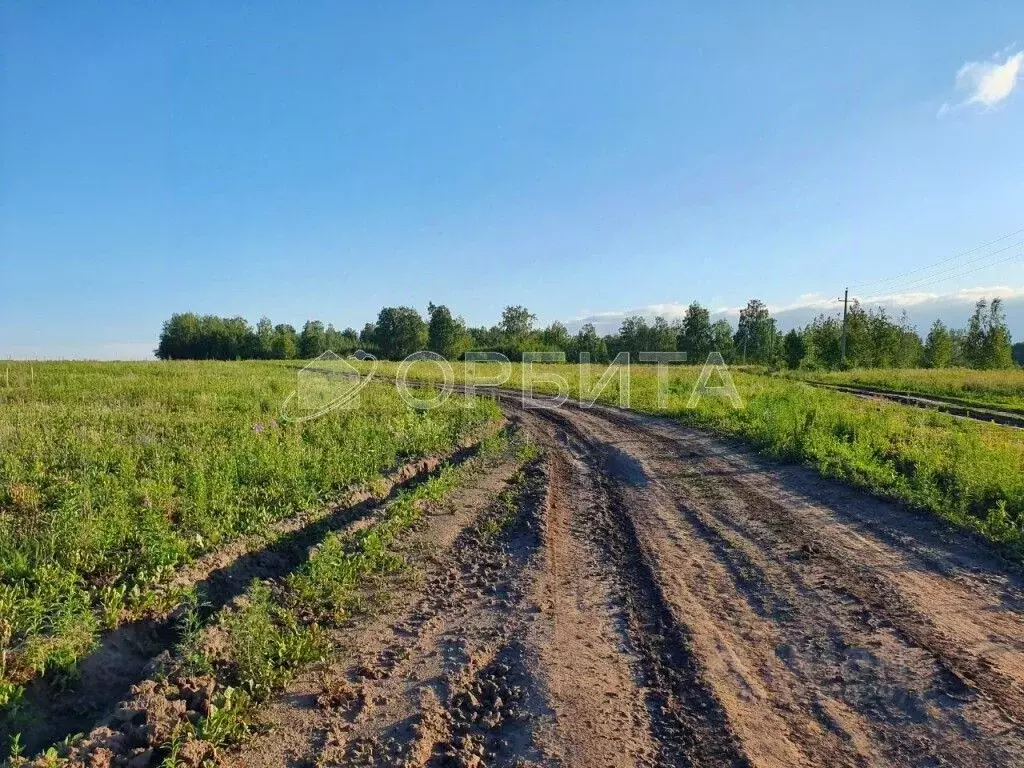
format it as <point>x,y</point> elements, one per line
<point>665,598</point>
<point>129,654</point>
<point>688,604</point>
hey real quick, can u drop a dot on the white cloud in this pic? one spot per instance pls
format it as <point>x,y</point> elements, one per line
<point>951,307</point>
<point>962,296</point>
<point>986,83</point>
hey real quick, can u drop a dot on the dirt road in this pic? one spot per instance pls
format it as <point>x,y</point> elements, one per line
<point>670,600</point>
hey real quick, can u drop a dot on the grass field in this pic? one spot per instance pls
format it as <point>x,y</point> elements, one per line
<point>113,475</point>
<point>1002,389</point>
<point>970,473</point>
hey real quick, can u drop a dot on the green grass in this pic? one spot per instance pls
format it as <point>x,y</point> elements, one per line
<point>969,473</point>
<point>267,643</point>
<point>113,475</point>
<point>278,629</point>
<point>997,389</point>
<point>324,587</point>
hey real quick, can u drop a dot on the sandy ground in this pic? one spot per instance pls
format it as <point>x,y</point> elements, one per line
<point>660,597</point>
<point>667,599</point>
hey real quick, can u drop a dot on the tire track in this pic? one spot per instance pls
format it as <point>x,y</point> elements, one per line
<point>669,599</point>
<point>686,724</point>
<point>822,643</point>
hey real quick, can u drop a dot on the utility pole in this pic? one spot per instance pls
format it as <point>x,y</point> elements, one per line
<point>846,298</point>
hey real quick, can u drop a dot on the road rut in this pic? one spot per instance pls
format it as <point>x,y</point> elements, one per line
<point>661,597</point>
<point>774,618</point>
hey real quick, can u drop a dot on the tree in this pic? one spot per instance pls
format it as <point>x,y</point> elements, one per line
<point>486,338</point>
<point>756,336</point>
<point>178,337</point>
<point>938,348</point>
<point>825,336</point>
<point>987,342</point>
<point>1018,353</point>
<point>885,336</point>
<point>265,338</point>
<point>795,348</point>
<point>633,336</point>
<point>911,350</point>
<point>959,337</point>
<point>191,337</point>
<point>445,334</point>
<point>974,338</point>
<point>696,339</point>
<point>312,340</point>
<point>998,345</point>
<point>588,341</point>
<point>286,343</point>
<point>722,341</point>
<point>556,336</point>
<point>517,322</point>
<point>368,336</point>
<point>400,332</point>
<point>661,337</point>
<point>341,342</point>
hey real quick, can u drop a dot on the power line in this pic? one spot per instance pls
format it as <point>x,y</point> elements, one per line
<point>899,277</point>
<point>959,271</point>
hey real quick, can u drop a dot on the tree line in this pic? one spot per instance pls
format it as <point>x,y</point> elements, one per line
<point>874,339</point>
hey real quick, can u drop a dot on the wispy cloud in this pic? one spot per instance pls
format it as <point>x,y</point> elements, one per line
<point>986,83</point>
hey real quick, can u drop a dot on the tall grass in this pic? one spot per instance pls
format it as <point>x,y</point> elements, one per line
<point>994,388</point>
<point>970,473</point>
<point>112,475</point>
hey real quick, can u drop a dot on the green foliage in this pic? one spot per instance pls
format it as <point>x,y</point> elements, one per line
<point>113,475</point>
<point>399,332</point>
<point>873,338</point>
<point>986,344</point>
<point>228,723</point>
<point>516,322</point>
<point>323,587</point>
<point>588,342</point>
<point>312,340</point>
<point>795,348</point>
<point>191,650</point>
<point>696,338</point>
<point>961,470</point>
<point>938,349</point>
<point>189,336</point>
<point>284,344</point>
<point>993,389</point>
<point>722,341</point>
<point>445,335</point>
<point>556,336</point>
<point>757,339</point>
<point>267,644</point>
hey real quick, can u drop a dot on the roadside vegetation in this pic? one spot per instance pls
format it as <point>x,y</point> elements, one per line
<point>114,475</point>
<point>995,389</point>
<point>970,473</point>
<point>204,699</point>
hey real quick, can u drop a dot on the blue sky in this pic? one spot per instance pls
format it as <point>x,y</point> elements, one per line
<point>323,159</point>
